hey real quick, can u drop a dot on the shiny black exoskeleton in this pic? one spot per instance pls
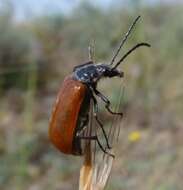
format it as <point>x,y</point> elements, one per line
<point>90,73</point>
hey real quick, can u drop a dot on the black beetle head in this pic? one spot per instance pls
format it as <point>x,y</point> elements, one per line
<point>105,70</point>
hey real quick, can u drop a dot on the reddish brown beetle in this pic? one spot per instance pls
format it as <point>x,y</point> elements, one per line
<point>70,114</point>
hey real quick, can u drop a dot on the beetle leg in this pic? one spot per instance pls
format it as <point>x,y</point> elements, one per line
<point>81,131</point>
<point>100,145</point>
<point>98,121</point>
<point>83,126</point>
<point>108,103</point>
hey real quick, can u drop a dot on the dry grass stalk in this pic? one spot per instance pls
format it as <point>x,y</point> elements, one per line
<point>86,170</point>
<point>97,166</point>
<point>101,173</point>
<point>94,176</point>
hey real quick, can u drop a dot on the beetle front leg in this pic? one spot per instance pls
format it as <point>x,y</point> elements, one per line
<point>108,103</point>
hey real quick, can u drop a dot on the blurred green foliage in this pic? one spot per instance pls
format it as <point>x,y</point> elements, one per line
<point>35,55</point>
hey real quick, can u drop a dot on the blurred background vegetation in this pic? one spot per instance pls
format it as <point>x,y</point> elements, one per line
<point>37,51</point>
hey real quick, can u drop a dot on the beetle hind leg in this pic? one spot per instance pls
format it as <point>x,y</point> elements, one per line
<point>100,145</point>
<point>83,125</point>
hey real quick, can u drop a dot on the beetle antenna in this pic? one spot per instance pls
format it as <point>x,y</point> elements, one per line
<point>130,51</point>
<point>124,39</point>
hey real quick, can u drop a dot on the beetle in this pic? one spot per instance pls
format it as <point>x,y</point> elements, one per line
<point>70,114</point>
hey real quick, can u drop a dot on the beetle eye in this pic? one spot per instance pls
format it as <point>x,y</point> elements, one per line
<point>99,69</point>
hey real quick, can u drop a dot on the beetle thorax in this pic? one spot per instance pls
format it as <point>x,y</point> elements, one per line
<point>90,73</point>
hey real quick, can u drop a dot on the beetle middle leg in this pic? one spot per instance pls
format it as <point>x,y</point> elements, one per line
<point>98,121</point>
<point>107,102</point>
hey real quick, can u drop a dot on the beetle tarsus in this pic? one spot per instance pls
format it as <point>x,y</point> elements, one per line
<point>113,113</point>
